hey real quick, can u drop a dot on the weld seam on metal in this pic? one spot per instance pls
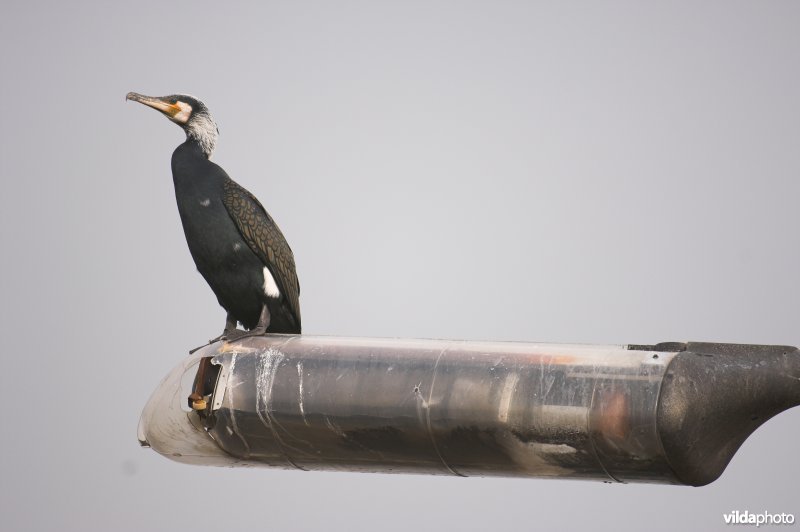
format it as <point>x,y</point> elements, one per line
<point>428,418</point>
<point>662,450</point>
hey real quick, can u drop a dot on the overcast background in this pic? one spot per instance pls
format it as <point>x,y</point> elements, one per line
<point>618,172</point>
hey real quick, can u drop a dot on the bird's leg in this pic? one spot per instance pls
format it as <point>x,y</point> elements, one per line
<point>230,326</point>
<point>196,400</point>
<point>258,330</point>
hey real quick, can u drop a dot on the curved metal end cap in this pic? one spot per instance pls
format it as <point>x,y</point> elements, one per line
<point>141,433</point>
<point>170,428</point>
<point>714,396</point>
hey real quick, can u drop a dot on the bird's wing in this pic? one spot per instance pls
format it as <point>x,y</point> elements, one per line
<point>265,239</point>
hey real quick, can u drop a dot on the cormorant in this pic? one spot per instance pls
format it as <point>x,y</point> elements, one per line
<point>234,242</point>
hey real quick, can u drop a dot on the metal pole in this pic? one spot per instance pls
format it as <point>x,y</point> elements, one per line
<point>667,413</point>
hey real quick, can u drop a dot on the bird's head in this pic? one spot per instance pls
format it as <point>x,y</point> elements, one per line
<point>186,111</point>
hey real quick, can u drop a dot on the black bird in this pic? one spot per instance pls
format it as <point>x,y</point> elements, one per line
<point>234,242</point>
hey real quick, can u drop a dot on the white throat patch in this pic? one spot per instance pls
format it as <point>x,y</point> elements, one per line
<point>203,129</point>
<point>185,112</point>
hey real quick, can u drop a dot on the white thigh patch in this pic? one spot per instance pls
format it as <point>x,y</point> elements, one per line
<point>270,287</point>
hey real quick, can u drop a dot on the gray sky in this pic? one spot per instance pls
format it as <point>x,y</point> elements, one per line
<point>618,172</point>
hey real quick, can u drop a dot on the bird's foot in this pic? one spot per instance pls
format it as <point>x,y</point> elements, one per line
<point>221,338</point>
<point>239,334</point>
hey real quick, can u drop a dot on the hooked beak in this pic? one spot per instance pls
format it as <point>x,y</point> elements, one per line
<point>171,110</point>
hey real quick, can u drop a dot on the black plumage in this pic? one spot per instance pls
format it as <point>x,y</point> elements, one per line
<point>235,243</point>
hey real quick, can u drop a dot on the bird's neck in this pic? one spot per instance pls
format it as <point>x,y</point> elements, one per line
<point>202,131</point>
<point>192,148</point>
<point>188,165</point>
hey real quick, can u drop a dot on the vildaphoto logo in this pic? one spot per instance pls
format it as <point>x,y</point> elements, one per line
<point>764,518</point>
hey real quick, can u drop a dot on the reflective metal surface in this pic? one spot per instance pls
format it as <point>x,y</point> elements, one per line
<point>420,406</point>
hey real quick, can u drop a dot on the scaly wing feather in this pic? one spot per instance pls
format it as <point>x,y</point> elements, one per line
<point>265,239</point>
